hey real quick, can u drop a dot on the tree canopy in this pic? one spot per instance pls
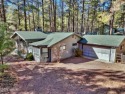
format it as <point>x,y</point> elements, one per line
<point>64,15</point>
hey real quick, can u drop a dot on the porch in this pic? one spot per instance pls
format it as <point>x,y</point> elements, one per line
<point>42,54</point>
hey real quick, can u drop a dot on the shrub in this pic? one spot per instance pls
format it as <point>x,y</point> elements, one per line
<point>29,57</point>
<point>78,52</point>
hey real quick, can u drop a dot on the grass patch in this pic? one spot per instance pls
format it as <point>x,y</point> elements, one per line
<point>3,67</point>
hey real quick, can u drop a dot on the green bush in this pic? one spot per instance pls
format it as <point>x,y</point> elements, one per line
<point>3,67</point>
<point>29,57</point>
<point>78,52</point>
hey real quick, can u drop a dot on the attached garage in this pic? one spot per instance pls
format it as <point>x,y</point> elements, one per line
<point>102,47</point>
<point>102,53</point>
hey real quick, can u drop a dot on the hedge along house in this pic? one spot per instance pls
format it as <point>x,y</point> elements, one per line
<point>44,51</point>
<point>103,47</point>
<point>24,38</point>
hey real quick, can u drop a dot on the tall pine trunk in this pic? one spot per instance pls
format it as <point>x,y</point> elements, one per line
<point>82,23</point>
<point>54,7</point>
<point>93,18</point>
<point>111,23</point>
<point>3,11</point>
<point>29,19</point>
<point>77,29</point>
<point>19,22</point>
<point>62,28</point>
<point>87,29</point>
<point>25,15</point>
<point>29,22</point>
<point>38,13</point>
<point>50,15</point>
<point>33,20</point>
<point>69,17</point>
<point>43,14</point>
<point>1,56</point>
<point>73,24</point>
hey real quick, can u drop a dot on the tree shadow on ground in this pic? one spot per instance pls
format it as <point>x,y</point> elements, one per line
<point>52,80</point>
<point>77,60</point>
<point>12,58</point>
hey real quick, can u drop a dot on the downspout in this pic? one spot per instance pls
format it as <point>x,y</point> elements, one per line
<point>110,55</point>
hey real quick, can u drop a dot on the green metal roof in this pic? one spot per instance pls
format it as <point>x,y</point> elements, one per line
<point>27,35</point>
<point>104,40</point>
<point>52,39</point>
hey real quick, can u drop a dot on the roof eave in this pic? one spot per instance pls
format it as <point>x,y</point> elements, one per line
<point>18,35</point>
<point>39,45</point>
<point>99,44</point>
<point>63,39</point>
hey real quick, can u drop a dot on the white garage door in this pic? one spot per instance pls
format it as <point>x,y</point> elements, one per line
<point>95,52</point>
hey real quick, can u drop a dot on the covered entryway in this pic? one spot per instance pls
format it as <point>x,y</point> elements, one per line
<point>101,53</point>
<point>37,54</point>
<point>42,54</point>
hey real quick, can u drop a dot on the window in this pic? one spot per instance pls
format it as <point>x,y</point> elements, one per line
<point>121,47</point>
<point>73,36</point>
<point>63,47</point>
<point>74,44</point>
<point>44,50</point>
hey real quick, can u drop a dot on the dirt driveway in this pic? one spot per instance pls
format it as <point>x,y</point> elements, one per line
<point>73,76</point>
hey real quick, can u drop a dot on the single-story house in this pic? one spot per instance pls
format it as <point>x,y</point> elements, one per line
<point>47,50</point>
<point>44,46</point>
<point>24,38</point>
<point>104,47</point>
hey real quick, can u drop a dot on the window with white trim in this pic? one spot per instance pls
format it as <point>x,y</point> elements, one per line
<point>63,47</point>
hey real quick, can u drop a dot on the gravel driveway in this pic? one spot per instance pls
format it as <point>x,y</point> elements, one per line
<point>73,76</point>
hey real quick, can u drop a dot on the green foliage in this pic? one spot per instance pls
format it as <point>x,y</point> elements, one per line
<point>29,57</point>
<point>6,44</point>
<point>3,67</point>
<point>72,9</point>
<point>78,52</point>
